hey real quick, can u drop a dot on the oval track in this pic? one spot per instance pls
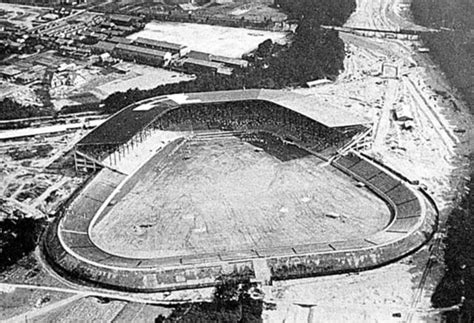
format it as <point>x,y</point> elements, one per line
<point>69,249</point>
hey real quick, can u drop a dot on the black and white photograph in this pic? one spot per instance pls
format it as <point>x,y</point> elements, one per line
<point>236,161</point>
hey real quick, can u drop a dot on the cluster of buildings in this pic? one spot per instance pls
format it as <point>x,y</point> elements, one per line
<point>74,39</point>
<point>92,37</point>
<point>48,3</point>
<point>22,74</point>
<point>166,54</point>
<point>43,71</point>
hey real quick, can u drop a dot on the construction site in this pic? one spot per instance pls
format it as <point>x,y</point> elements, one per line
<point>336,215</point>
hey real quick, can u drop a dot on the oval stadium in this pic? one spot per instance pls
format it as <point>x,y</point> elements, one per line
<point>263,184</point>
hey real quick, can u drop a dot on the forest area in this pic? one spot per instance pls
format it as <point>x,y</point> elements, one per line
<point>453,47</point>
<point>453,51</point>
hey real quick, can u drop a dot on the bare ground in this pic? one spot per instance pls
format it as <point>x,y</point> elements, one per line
<point>223,195</point>
<point>225,41</point>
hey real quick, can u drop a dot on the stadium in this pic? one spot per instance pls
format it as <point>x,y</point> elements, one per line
<point>264,184</point>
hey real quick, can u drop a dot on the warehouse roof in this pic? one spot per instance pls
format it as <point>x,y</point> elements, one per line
<point>158,43</point>
<point>200,62</point>
<point>141,50</point>
<point>120,40</point>
<point>229,61</point>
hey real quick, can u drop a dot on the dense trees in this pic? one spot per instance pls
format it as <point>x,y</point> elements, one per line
<point>18,237</point>
<point>453,47</point>
<point>232,303</point>
<point>458,281</point>
<point>10,109</point>
<point>453,50</point>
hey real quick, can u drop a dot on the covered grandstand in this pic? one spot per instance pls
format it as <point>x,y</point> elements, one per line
<point>291,116</point>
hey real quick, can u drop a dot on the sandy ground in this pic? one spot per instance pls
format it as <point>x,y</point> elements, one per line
<point>141,152</point>
<point>141,77</point>
<point>20,15</point>
<point>217,40</point>
<point>25,184</point>
<point>345,298</point>
<point>92,309</point>
<point>223,195</point>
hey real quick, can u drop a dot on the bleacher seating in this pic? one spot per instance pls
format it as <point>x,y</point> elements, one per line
<point>348,160</point>
<point>350,244</point>
<point>384,182</point>
<point>365,170</point>
<point>382,237</point>
<point>409,209</point>
<point>76,240</point>
<point>401,194</point>
<point>275,252</point>
<point>253,115</point>
<point>314,247</point>
<point>403,225</point>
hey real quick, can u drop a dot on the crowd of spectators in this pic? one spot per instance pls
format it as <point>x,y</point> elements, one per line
<point>254,115</point>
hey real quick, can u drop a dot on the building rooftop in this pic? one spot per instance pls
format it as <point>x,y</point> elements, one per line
<point>199,55</point>
<point>141,50</point>
<point>122,18</point>
<point>120,40</point>
<point>104,46</point>
<point>158,43</point>
<point>9,70</point>
<point>229,60</point>
<point>202,63</point>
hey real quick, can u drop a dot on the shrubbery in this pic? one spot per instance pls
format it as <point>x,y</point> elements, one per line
<point>10,109</point>
<point>18,237</point>
<point>232,303</point>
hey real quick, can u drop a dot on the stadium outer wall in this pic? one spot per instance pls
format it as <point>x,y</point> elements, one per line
<point>414,220</point>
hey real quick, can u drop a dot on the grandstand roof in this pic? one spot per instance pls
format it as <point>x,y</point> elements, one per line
<point>122,126</point>
<point>310,106</point>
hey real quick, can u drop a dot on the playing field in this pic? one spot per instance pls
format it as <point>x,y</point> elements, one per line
<point>225,194</point>
<point>217,40</point>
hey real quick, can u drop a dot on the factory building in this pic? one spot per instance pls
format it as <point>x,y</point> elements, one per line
<point>142,55</point>
<point>177,50</point>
